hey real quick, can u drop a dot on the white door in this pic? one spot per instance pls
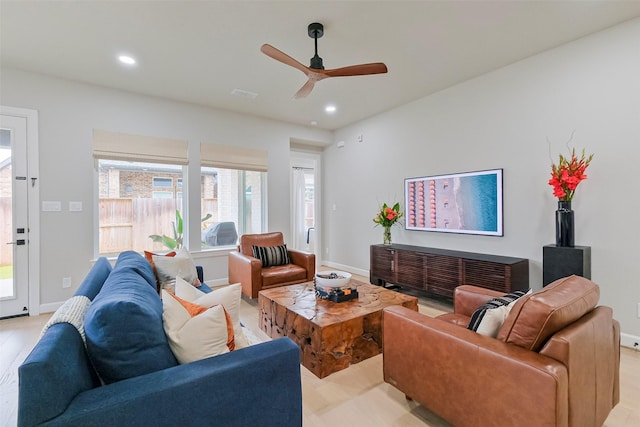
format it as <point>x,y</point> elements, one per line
<point>305,201</point>
<point>303,209</point>
<point>14,225</point>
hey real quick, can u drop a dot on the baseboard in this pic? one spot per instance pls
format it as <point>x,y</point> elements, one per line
<point>212,283</point>
<point>50,307</point>
<point>347,268</point>
<point>631,341</point>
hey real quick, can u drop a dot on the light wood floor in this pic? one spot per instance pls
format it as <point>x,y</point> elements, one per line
<point>354,397</point>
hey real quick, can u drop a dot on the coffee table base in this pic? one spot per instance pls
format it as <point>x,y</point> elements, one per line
<point>331,335</point>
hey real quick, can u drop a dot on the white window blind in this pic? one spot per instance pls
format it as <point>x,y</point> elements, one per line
<point>224,156</point>
<point>137,148</point>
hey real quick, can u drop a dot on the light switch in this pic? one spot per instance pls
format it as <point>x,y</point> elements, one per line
<point>51,206</point>
<point>75,206</point>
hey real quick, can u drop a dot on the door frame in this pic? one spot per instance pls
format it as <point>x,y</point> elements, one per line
<point>33,202</point>
<point>311,160</point>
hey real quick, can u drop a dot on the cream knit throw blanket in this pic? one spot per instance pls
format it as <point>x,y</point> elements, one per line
<point>72,311</point>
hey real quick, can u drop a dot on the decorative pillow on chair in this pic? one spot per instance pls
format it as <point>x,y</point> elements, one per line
<point>181,265</point>
<point>271,255</point>
<point>196,332</point>
<point>489,317</point>
<point>227,296</point>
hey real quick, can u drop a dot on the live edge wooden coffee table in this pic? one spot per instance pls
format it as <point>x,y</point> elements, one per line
<point>331,335</point>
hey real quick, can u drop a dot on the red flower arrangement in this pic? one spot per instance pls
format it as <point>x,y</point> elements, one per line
<point>387,216</point>
<point>567,174</point>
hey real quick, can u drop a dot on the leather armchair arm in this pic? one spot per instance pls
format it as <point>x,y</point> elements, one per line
<point>467,298</point>
<point>246,270</point>
<point>305,260</point>
<point>459,374</point>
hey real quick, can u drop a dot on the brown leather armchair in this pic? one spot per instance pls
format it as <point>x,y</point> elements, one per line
<point>246,269</point>
<point>555,361</point>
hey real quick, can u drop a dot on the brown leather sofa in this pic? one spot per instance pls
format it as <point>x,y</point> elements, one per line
<point>555,361</point>
<point>246,269</point>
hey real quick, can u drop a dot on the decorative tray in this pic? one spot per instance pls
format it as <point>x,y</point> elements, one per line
<point>336,294</point>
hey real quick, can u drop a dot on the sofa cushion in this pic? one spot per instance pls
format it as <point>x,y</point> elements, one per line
<point>272,255</point>
<point>194,331</point>
<point>93,282</point>
<point>170,267</point>
<point>56,371</point>
<point>149,257</point>
<point>123,325</point>
<point>489,317</point>
<point>534,318</point>
<point>228,296</point>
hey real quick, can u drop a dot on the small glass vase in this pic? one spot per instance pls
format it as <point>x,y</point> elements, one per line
<point>386,237</point>
<point>565,229</point>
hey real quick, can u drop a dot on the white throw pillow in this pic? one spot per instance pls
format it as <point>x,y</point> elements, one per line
<point>181,265</point>
<point>489,317</point>
<point>229,296</point>
<point>196,335</point>
<point>492,320</point>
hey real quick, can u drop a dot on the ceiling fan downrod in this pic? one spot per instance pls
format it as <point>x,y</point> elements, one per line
<point>316,30</point>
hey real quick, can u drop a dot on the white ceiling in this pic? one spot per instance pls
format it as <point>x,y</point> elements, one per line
<point>200,51</point>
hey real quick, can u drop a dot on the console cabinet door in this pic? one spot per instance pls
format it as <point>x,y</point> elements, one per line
<point>410,269</point>
<point>443,274</point>
<point>486,274</point>
<point>382,265</point>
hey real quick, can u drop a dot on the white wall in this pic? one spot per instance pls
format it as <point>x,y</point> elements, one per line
<point>503,120</point>
<point>68,113</point>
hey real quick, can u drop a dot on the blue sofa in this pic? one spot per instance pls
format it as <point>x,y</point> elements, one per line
<point>64,382</point>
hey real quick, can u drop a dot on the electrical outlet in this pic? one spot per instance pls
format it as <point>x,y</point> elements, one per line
<point>66,282</point>
<point>326,251</point>
<point>638,310</point>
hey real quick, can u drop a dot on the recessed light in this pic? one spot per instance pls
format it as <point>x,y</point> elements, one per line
<point>125,59</point>
<point>330,109</point>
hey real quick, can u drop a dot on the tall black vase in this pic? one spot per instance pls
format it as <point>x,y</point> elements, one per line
<point>565,230</point>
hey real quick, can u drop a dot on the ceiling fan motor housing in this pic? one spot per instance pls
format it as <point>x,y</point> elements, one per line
<point>316,30</point>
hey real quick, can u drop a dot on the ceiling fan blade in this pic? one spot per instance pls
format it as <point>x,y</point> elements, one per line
<point>279,55</point>
<point>306,89</point>
<point>357,70</point>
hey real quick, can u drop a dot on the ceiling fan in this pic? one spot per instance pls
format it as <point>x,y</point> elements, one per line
<point>316,72</point>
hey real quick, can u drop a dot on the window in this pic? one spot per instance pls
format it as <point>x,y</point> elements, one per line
<point>233,192</point>
<point>136,193</point>
<point>162,182</point>
<point>234,197</point>
<point>140,184</point>
<point>130,210</point>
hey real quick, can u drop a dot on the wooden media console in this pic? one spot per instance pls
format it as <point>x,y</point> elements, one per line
<point>440,271</point>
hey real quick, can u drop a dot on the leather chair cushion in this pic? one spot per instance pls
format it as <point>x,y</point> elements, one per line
<point>247,241</point>
<point>282,273</point>
<point>455,318</point>
<point>534,318</point>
